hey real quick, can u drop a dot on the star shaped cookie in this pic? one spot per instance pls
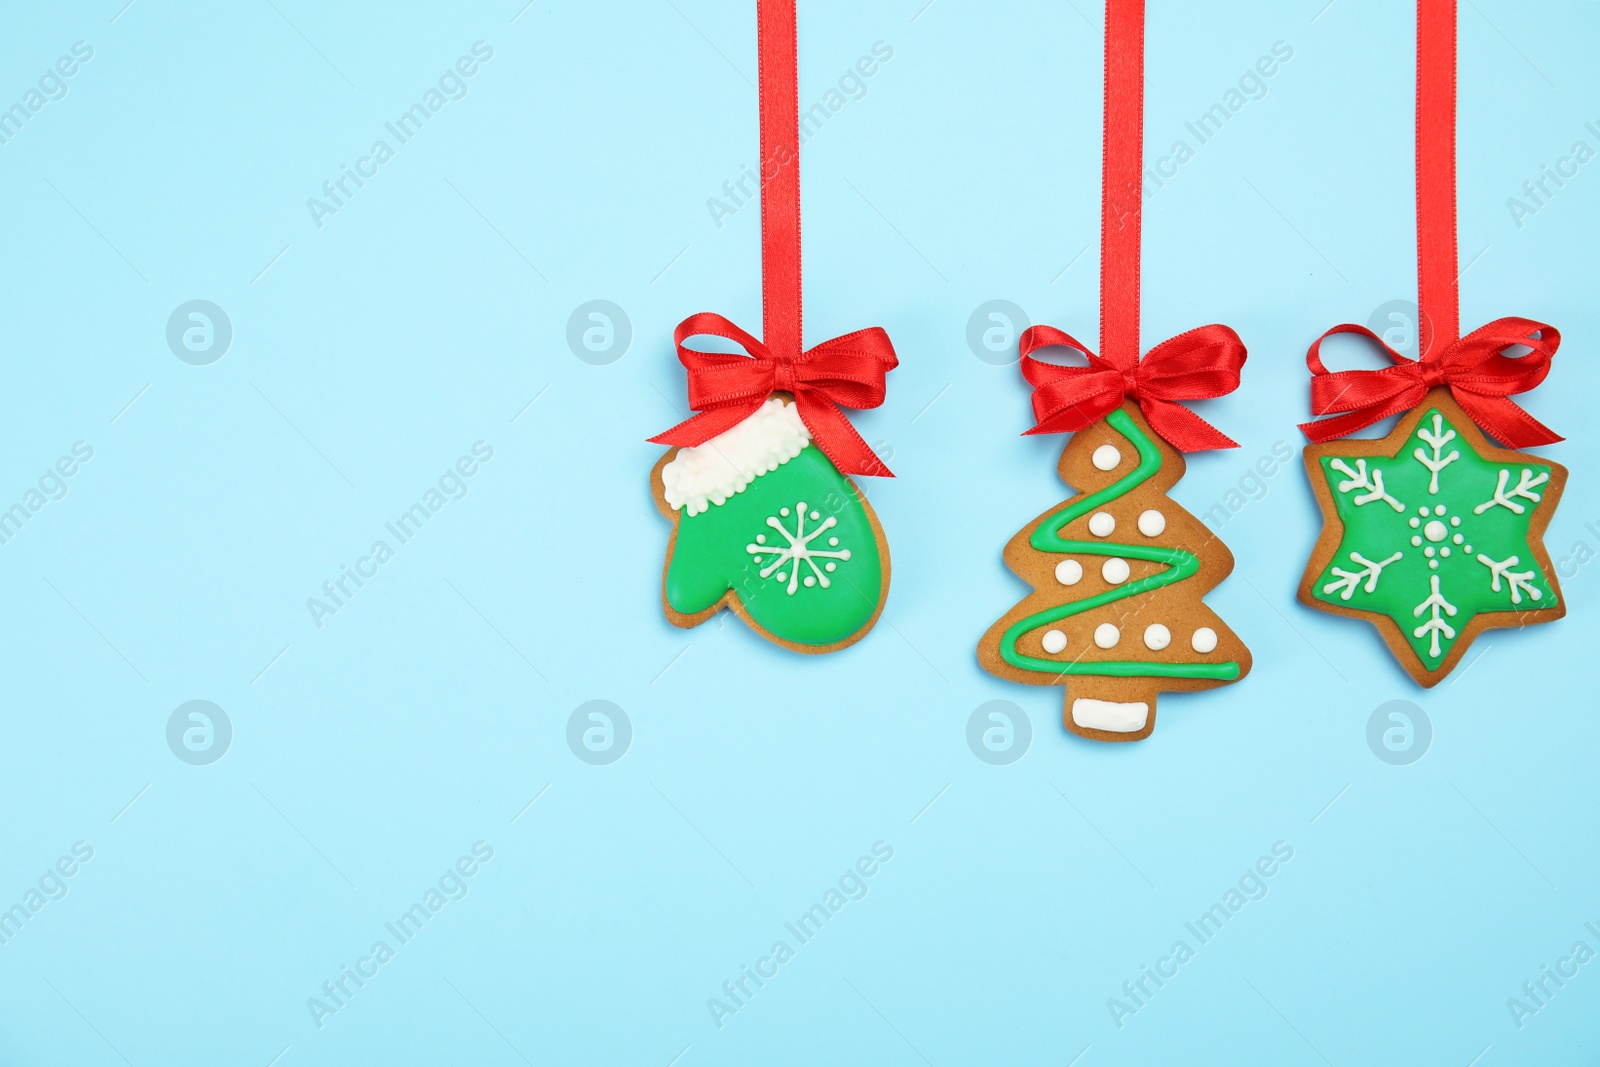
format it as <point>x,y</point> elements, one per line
<point>1434,535</point>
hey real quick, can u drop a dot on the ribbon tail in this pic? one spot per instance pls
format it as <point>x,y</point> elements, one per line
<point>1059,407</point>
<point>1322,430</point>
<point>1502,418</point>
<point>698,429</point>
<point>1182,428</point>
<point>838,439</point>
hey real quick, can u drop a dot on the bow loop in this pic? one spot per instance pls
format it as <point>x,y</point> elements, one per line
<point>1201,364</point>
<point>851,368</point>
<point>1483,362</point>
<point>1198,365</point>
<point>725,388</point>
<point>1477,370</point>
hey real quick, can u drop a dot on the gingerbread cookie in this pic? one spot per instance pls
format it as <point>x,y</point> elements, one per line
<point>1118,573</point>
<point>764,524</point>
<point>765,518</point>
<point>1433,535</point>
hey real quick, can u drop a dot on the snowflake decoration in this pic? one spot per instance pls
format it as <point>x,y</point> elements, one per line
<point>1433,536</point>
<point>785,561</point>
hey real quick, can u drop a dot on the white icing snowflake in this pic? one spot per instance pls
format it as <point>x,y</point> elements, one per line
<point>1434,490</point>
<point>786,560</point>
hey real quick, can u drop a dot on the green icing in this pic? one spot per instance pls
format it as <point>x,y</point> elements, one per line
<point>1180,565</point>
<point>713,554</point>
<point>1429,570</point>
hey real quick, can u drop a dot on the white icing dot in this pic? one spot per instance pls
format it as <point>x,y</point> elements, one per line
<point>1069,572</point>
<point>1455,520</point>
<point>1101,524</point>
<point>808,581</point>
<point>1157,637</point>
<point>1115,570</point>
<point>1433,564</point>
<point>1458,539</point>
<point>784,512</point>
<point>1106,457</point>
<point>1435,531</point>
<point>1422,510</point>
<point>1106,635</point>
<point>1439,509</point>
<point>1428,552</point>
<point>1445,551</point>
<point>1467,549</point>
<point>1415,522</point>
<point>1152,523</point>
<point>1204,640</point>
<point>782,576</point>
<point>1415,541</point>
<point>830,566</point>
<point>833,542</point>
<point>1054,641</point>
<point>761,539</point>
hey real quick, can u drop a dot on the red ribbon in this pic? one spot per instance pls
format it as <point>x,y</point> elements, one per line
<point>726,388</point>
<point>1438,272</point>
<point>1476,370</point>
<point>1198,365</point>
<point>847,371</point>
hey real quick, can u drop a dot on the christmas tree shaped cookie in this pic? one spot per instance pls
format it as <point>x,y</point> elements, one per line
<point>1118,573</point>
<point>1433,535</point>
<point>764,524</point>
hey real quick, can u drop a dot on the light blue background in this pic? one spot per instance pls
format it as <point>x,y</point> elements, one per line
<point>370,353</point>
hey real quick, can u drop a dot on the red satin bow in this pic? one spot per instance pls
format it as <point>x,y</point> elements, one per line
<point>726,388</point>
<point>1475,369</point>
<point>1198,365</point>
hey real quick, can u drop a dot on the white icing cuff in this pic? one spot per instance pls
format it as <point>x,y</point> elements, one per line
<point>1110,715</point>
<point>712,472</point>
